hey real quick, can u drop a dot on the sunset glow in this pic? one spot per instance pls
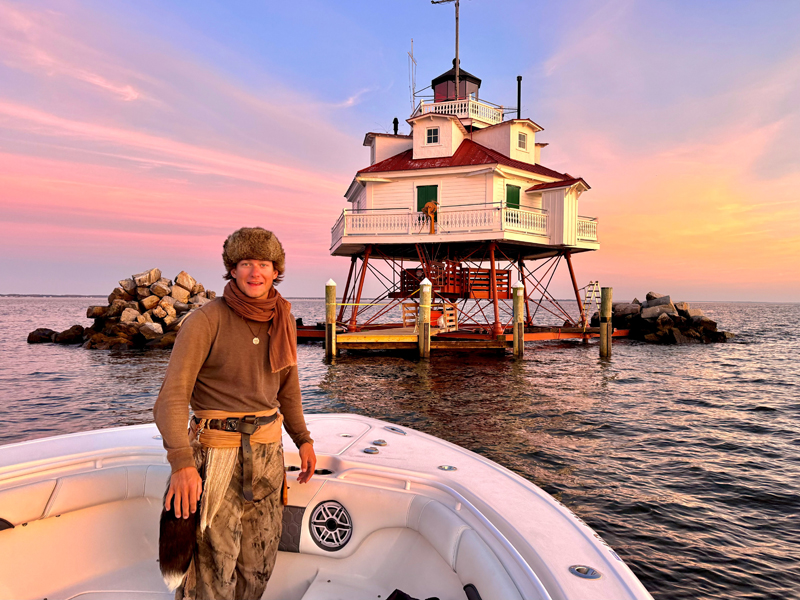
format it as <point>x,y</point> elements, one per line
<point>135,136</point>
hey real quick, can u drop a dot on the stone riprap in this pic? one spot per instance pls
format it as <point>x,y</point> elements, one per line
<point>660,321</point>
<point>146,310</point>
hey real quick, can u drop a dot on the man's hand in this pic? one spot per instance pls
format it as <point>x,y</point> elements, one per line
<point>185,486</point>
<point>308,462</point>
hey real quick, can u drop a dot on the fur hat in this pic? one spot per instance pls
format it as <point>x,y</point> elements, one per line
<point>254,243</point>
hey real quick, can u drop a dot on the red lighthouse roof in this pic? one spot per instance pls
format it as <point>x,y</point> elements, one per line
<point>469,153</point>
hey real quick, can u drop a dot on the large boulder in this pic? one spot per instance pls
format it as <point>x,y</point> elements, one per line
<point>150,302</point>
<point>143,292</point>
<point>693,312</point>
<point>181,307</point>
<point>151,330</point>
<point>119,294</point>
<point>147,278</point>
<point>41,336</point>
<point>116,308</point>
<point>96,312</point>
<point>660,301</point>
<point>652,296</point>
<point>210,294</point>
<point>704,323</point>
<point>129,285</point>
<point>129,315</point>
<point>185,281</point>
<point>198,289</point>
<point>73,335</point>
<point>653,312</point>
<point>160,289</point>
<point>180,294</point>
<point>681,306</point>
<point>198,300</point>
<point>623,308</point>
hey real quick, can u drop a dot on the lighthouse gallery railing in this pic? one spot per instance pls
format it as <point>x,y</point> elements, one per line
<point>395,222</point>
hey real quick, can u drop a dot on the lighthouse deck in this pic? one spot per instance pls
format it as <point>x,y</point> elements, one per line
<point>356,228</point>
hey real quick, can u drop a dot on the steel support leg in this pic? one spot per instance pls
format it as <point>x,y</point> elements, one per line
<point>353,318</point>
<point>497,328</point>
<point>353,261</point>
<point>575,288</point>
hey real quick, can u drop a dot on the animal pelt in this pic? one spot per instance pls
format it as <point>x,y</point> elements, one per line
<point>177,539</point>
<point>254,243</point>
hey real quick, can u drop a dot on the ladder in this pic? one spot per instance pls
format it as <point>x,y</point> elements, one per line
<point>591,298</point>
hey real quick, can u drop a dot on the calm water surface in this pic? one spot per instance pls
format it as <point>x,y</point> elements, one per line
<point>686,459</point>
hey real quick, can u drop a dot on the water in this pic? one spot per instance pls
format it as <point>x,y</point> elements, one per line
<point>686,459</point>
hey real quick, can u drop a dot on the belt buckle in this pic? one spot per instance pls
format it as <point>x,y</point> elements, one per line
<point>231,424</point>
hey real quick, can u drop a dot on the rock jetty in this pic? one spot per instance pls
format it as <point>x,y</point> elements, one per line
<point>661,321</point>
<point>145,311</point>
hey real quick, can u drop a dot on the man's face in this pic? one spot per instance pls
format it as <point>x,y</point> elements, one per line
<point>254,277</point>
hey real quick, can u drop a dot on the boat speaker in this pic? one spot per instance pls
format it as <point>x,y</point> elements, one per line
<point>331,526</point>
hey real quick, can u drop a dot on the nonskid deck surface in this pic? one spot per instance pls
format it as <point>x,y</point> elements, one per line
<point>91,503</point>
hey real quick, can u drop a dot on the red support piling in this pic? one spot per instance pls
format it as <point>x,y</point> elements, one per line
<point>352,325</point>
<point>347,288</point>
<point>497,328</point>
<point>575,288</point>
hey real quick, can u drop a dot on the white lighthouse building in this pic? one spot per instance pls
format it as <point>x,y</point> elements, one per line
<point>496,206</point>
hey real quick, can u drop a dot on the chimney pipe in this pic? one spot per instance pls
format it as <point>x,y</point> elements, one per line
<point>519,96</point>
<point>396,123</point>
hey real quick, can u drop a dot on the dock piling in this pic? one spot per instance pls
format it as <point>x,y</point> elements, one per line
<point>330,319</point>
<point>519,319</point>
<point>605,322</point>
<point>424,318</point>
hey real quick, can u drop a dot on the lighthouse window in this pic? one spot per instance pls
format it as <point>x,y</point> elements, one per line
<point>432,135</point>
<point>522,141</point>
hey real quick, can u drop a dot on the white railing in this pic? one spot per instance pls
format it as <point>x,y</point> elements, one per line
<point>587,229</point>
<point>337,231</point>
<point>448,222</point>
<point>527,221</point>
<point>468,221</point>
<point>464,109</point>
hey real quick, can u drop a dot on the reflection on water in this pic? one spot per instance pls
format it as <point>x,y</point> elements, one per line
<point>685,459</point>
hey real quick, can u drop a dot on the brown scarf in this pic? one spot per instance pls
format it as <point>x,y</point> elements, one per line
<point>275,308</point>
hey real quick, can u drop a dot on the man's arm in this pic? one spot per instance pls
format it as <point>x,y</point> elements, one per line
<point>291,405</point>
<point>171,411</point>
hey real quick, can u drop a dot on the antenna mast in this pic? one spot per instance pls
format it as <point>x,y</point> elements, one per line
<point>458,65</point>
<point>412,76</point>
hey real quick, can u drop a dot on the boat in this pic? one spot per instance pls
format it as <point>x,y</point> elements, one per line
<point>388,508</point>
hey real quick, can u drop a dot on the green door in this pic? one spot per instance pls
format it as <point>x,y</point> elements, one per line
<point>425,194</point>
<point>512,196</point>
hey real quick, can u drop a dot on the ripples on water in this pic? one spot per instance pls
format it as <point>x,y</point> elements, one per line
<point>686,459</point>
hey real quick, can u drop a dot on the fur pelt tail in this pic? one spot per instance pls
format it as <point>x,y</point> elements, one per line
<point>177,539</point>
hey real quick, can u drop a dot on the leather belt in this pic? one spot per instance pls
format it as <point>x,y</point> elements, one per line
<point>246,426</point>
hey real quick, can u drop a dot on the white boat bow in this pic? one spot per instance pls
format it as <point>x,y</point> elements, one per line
<point>414,512</point>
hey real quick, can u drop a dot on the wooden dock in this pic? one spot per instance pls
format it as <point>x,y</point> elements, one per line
<point>406,338</point>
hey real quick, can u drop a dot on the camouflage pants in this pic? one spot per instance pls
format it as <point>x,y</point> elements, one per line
<point>236,554</point>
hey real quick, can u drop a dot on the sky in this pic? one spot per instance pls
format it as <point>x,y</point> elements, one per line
<point>140,134</point>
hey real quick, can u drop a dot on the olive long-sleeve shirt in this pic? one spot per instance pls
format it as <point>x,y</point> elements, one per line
<point>216,366</point>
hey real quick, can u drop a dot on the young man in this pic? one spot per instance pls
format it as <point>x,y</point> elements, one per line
<point>235,362</point>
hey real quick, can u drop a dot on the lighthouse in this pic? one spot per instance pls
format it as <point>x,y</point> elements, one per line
<point>463,200</point>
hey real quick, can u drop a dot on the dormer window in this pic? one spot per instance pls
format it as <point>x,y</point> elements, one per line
<point>522,141</point>
<point>432,135</point>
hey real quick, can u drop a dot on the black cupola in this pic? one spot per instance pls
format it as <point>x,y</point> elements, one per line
<point>444,86</point>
